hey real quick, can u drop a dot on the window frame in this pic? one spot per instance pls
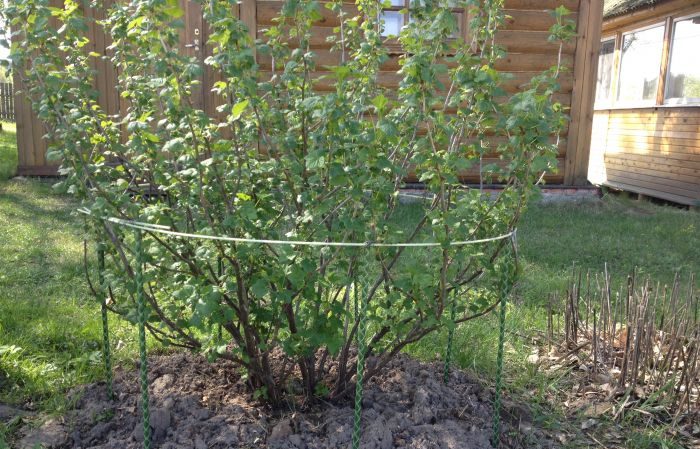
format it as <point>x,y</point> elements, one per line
<point>631,104</point>
<point>613,77</point>
<point>672,29</point>
<point>668,20</point>
<point>391,41</point>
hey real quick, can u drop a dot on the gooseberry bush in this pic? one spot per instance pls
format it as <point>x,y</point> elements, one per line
<point>282,159</point>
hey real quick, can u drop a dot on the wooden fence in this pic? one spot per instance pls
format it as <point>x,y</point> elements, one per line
<point>7,102</point>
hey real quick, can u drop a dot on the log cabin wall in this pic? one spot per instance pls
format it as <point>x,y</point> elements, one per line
<point>652,147</point>
<point>524,36</point>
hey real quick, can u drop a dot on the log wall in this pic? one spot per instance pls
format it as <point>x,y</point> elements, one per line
<point>524,36</point>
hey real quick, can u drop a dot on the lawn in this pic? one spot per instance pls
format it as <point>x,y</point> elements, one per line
<point>8,150</point>
<point>50,327</point>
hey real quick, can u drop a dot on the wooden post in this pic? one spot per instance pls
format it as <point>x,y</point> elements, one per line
<point>665,57</point>
<point>590,23</point>
<point>249,17</point>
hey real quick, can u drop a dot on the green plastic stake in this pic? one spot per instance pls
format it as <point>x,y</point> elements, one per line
<point>106,352</point>
<point>361,349</point>
<point>140,303</point>
<point>450,338</point>
<point>499,370</point>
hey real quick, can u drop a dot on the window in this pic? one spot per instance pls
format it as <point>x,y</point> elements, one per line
<point>683,79</point>
<point>606,62</point>
<point>394,18</point>
<point>640,65</point>
<point>398,14</point>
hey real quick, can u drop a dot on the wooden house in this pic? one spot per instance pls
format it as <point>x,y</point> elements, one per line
<point>646,124</point>
<point>524,36</point>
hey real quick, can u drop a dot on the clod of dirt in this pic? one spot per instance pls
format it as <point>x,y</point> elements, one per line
<point>282,431</point>
<point>49,435</point>
<point>8,413</point>
<point>196,404</point>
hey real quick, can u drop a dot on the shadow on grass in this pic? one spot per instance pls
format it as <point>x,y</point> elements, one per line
<point>50,330</point>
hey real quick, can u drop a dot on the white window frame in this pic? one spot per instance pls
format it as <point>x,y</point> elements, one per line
<point>462,23</point>
<point>613,77</point>
<point>621,104</point>
<point>677,101</point>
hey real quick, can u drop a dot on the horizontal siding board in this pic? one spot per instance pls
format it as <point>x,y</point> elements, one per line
<point>652,192</point>
<point>531,62</point>
<point>527,41</point>
<point>531,20</point>
<point>646,128</point>
<point>684,175</point>
<point>667,133</point>
<point>658,113</point>
<point>655,182</point>
<point>661,151</point>
<point>689,119</point>
<point>659,144</point>
<point>664,163</point>
<point>541,5</point>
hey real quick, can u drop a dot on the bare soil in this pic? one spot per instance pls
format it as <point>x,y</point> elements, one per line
<point>196,404</point>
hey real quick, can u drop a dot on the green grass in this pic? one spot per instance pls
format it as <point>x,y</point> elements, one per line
<point>50,330</point>
<point>8,151</point>
<point>657,240</point>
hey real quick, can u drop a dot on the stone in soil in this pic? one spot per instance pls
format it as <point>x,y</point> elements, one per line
<point>196,404</point>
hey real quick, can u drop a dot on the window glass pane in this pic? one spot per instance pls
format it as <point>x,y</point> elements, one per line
<point>398,3</point>
<point>640,64</point>
<point>683,83</point>
<point>393,22</point>
<point>459,23</point>
<point>459,17</point>
<point>606,59</point>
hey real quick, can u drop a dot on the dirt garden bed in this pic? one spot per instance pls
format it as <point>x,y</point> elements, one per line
<point>195,404</point>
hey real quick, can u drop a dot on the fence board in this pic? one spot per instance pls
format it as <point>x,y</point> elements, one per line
<point>7,102</point>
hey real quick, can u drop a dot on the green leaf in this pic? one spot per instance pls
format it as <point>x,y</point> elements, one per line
<point>150,137</point>
<point>135,23</point>
<point>238,109</point>
<point>380,102</point>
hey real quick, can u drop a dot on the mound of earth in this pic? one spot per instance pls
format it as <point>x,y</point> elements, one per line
<point>196,404</point>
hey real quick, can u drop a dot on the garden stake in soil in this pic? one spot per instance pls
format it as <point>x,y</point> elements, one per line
<point>361,330</point>
<point>143,368</point>
<point>505,291</point>
<point>106,353</point>
<point>450,337</point>
<point>499,371</point>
